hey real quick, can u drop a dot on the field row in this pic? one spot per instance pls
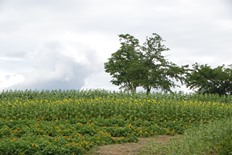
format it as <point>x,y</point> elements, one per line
<point>76,94</point>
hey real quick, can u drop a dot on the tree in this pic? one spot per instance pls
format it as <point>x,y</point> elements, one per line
<point>134,65</point>
<point>205,79</point>
<point>158,71</point>
<point>122,65</point>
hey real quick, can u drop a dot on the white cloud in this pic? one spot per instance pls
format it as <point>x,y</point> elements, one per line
<point>10,79</point>
<point>100,80</point>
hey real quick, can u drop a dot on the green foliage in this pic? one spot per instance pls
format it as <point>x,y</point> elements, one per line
<point>154,63</point>
<point>204,139</point>
<point>66,122</point>
<point>211,138</point>
<point>122,65</point>
<point>205,79</point>
<point>226,145</point>
<point>134,65</point>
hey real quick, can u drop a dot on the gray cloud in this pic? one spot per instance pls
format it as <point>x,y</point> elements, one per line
<point>74,79</point>
<point>47,67</point>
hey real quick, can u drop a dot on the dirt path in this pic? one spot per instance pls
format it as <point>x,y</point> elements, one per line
<point>129,148</point>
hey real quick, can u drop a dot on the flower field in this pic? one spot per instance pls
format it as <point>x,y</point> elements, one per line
<point>73,122</point>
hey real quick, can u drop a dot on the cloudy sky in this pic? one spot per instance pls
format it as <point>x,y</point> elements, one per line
<point>63,44</point>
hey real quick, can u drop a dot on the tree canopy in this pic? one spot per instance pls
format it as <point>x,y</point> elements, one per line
<point>134,65</point>
<point>122,64</point>
<point>205,79</point>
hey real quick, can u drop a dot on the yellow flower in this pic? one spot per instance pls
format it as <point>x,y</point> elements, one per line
<point>34,145</point>
<point>14,140</point>
<point>67,145</point>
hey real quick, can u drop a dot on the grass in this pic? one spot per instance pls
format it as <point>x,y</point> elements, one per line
<point>212,138</point>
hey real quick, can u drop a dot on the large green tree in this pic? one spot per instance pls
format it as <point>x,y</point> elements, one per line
<point>133,65</point>
<point>159,73</point>
<point>122,65</point>
<point>205,79</point>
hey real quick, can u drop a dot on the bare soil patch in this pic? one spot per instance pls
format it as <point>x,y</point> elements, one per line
<point>129,148</point>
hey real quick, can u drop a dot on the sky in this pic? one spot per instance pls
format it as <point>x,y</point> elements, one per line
<point>63,44</point>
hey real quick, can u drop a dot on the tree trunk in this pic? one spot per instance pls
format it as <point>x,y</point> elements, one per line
<point>133,90</point>
<point>148,90</point>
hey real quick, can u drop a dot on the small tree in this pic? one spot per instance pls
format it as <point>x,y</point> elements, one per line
<point>205,79</point>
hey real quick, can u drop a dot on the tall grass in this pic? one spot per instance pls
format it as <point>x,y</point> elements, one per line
<point>205,139</point>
